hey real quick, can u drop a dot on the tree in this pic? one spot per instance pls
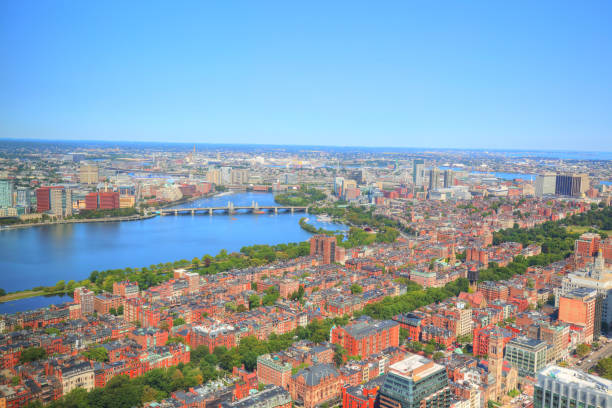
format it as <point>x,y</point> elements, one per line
<point>254,301</point>
<point>2,292</point>
<point>356,289</point>
<point>438,355</point>
<point>179,321</point>
<point>582,350</point>
<point>97,354</point>
<point>32,354</point>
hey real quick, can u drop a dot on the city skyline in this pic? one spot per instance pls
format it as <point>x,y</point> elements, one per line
<point>520,76</point>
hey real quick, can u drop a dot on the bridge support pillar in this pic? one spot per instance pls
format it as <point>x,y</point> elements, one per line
<point>306,210</point>
<point>192,212</point>
<point>291,210</point>
<point>210,211</point>
<point>275,210</point>
<point>175,212</point>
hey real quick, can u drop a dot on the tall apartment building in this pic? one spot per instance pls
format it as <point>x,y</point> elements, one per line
<point>213,176</point>
<point>449,178</point>
<point>56,200</point>
<point>89,174</point>
<point>415,382</point>
<point>226,175</point>
<point>366,336</point>
<point>573,185</point>
<point>24,197</point>
<point>418,172</point>
<point>595,276</point>
<point>559,387</point>
<point>271,370</point>
<point>240,176</point>
<point>582,307</point>
<point>527,355</point>
<point>545,184</point>
<point>85,298</point>
<point>434,179</point>
<point>325,247</point>
<point>6,194</point>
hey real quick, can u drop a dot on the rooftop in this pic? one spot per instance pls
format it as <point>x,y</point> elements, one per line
<point>581,379</point>
<point>415,366</point>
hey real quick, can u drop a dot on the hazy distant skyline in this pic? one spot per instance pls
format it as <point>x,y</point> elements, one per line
<point>514,75</point>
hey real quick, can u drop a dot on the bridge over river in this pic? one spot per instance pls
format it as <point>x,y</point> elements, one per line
<point>254,208</point>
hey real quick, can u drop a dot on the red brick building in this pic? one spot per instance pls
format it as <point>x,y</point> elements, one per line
<point>315,385</point>
<point>366,337</point>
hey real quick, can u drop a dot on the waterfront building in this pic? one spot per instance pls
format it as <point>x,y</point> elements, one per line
<point>85,298</point>
<point>103,200</point>
<point>559,387</point>
<point>89,174</point>
<point>415,382</point>
<point>24,197</point>
<point>6,193</point>
<point>56,200</point>
<point>213,176</point>
<point>366,336</point>
<point>527,355</point>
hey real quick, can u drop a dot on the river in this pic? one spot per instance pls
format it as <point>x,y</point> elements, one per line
<point>41,256</point>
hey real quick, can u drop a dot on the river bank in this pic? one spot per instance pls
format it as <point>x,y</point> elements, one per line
<point>136,217</point>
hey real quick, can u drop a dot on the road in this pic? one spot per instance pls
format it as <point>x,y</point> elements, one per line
<point>604,351</point>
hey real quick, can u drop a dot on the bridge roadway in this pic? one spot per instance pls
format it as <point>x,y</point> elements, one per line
<point>231,209</point>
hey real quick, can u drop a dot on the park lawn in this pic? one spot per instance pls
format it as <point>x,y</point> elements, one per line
<point>580,230</point>
<point>21,295</point>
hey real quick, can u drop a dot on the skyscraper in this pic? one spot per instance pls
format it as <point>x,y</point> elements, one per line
<point>6,193</point>
<point>545,184</point>
<point>434,179</point>
<point>418,170</point>
<point>449,178</point>
<point>413,382</point>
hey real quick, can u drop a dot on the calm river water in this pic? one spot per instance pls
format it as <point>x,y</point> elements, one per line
<point>43,255</point>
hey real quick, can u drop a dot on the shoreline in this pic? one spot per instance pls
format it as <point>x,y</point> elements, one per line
<point>136,217</point>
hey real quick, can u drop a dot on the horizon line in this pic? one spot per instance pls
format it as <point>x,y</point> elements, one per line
<point>300,145</point>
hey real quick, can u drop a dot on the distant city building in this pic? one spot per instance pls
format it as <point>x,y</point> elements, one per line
<point>109,200</point>
<point>55,200</point>
<point>449,178</point>
<point>418,170</point>
<point>89,174</point>
<point>226,176</point>
<point>545,184</point>
<point>434,179</point>
<point>24,197</point>
<point>415,382</point>
<point>240,176</point>
<point>573,185</point>
<point>559,387</point>
<point>213,176</point>
<point>6,193</point>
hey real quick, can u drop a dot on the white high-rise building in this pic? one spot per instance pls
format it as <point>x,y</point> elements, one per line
<point>545,184</point>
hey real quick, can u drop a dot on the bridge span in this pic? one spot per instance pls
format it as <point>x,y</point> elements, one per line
<point>231,209</point>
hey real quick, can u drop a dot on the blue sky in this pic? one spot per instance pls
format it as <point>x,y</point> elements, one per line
<point>465,74</point>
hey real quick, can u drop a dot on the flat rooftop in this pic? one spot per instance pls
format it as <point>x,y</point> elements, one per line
<point>581,379</point>
<point>415,366</point>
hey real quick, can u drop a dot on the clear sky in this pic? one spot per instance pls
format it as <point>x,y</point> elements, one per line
<point>466,74</point>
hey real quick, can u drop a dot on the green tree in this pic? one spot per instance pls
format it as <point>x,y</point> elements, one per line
<point>32,354</point>
<point>582,350</point>
<point>356,289</point>
<point>254,301</point>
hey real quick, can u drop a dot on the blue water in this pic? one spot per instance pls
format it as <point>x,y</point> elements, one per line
<point>37,302</point>
<point>44,255</point>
